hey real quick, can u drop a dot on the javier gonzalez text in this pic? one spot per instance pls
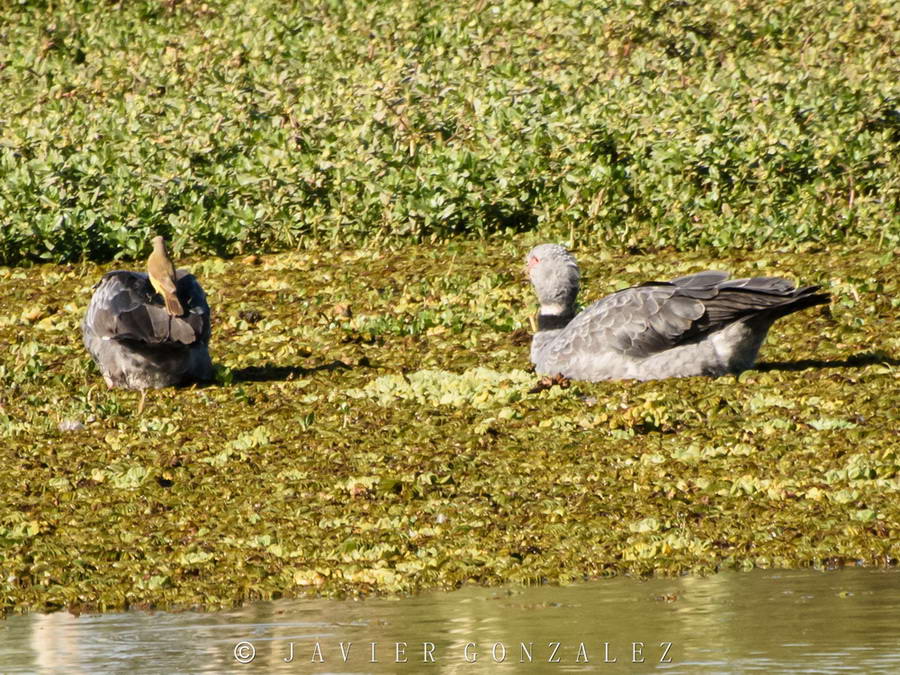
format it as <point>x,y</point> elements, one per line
<point>468,652</point>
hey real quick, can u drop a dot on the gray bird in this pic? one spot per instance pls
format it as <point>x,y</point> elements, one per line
<point>702,324</point>
<point>137,343</point>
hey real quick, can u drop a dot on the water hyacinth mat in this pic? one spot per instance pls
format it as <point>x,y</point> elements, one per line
<point>374,428</point>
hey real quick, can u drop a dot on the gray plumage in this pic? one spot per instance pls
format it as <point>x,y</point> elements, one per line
<point>136,343</point>
<point>702,324</point>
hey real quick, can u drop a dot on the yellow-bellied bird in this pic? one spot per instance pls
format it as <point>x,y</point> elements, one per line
<point>162,276</point>
<point>135,340</point>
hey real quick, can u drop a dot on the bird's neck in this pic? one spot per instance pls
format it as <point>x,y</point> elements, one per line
<point>554,317</point>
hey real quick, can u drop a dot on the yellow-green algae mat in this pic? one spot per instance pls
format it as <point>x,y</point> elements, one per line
<point>372,429</point>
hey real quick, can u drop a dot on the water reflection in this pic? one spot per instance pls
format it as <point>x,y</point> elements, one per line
<point>765,621</point>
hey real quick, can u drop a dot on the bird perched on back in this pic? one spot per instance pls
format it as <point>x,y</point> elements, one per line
<point>141,341</point>
<point>702,324</point>
<point>161,271</point>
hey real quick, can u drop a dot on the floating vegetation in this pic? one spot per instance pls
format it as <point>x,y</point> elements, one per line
<point>350,447</point>
<point>477,387</point>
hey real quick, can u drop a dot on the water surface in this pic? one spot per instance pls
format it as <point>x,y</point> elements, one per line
<point>761,621</point>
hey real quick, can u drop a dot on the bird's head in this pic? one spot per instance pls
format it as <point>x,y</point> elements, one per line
<point>555,277</point>
<point>159,245</point>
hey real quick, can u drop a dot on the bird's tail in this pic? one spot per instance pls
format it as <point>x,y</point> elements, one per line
<point>802,298</point>
<point>173,307</point>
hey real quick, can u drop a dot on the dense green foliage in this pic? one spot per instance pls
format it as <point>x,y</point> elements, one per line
<point>243,126</point>
<point>373,429</point>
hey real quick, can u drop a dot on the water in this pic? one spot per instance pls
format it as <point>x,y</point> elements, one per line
<point>762,621</point>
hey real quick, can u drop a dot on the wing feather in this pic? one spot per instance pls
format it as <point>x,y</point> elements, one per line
<point>656,316</point>
<point>125,307</point>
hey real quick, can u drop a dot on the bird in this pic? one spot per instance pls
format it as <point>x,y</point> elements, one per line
<point>136,340</point>
<point>161,271</point>
<point>704,324</point>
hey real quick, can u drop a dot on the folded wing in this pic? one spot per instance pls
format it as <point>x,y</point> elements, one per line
<point>655,316</point>
<point>125,307</point>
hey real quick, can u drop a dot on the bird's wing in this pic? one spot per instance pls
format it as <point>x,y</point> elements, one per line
<point>641,320</point>
<point>636,322</point>
<point>193,300</point>
<point>164,282</point>
<point>656,316</point>
<point>738,298</point>
<point>123,308</point>
<point>701,282</point>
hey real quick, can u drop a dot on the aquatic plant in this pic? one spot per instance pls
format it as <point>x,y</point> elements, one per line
<point>234,127</point>
<point>349,447</point>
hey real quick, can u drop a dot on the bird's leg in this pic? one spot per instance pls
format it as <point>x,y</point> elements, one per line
<point>141,404</point>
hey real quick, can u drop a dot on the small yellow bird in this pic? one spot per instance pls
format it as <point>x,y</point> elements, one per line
<point>162,276</point>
